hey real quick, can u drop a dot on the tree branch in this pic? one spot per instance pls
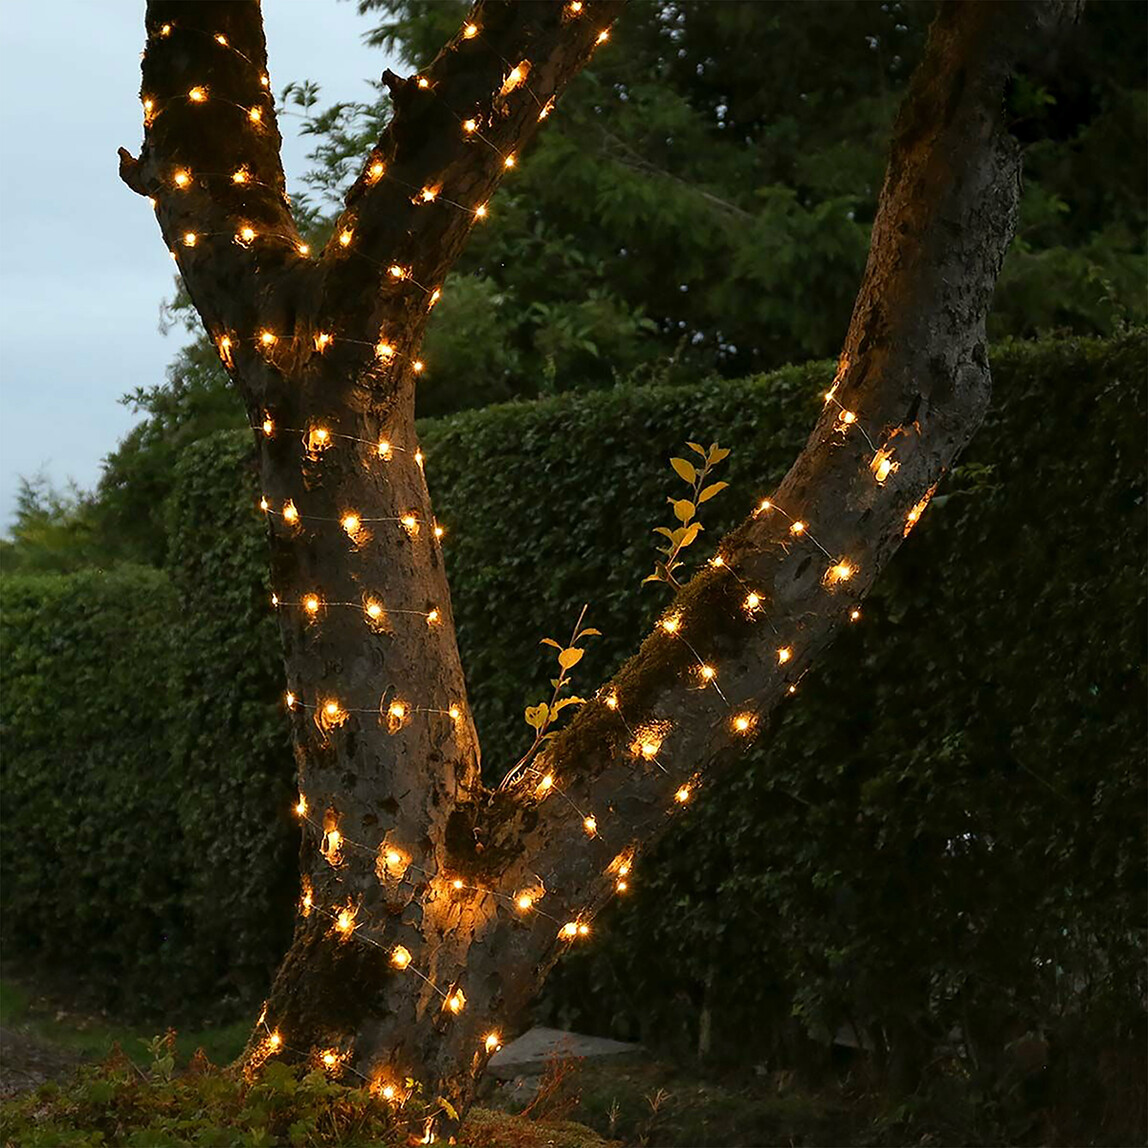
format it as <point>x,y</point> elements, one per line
<point>210,163</point>
<point>911,389</point>
<point>457,129</point>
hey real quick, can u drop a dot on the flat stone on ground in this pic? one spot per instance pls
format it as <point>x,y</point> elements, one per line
<point>529,1053</point>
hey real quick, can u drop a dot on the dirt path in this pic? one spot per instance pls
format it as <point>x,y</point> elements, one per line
<point>26,1062</point>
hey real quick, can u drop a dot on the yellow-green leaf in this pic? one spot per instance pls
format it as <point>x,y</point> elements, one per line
<point>685,470</point>
<point>711,490</point>
<point>683,509</point>
<point>536,715</point>
<point>570,658</point>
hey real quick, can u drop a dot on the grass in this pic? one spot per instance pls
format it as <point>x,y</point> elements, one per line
<point>92,1036</point>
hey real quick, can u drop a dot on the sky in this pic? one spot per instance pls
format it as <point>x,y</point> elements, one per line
<point>83,269</point>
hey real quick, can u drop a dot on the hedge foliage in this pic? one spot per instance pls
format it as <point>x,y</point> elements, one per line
<point>946,828</point>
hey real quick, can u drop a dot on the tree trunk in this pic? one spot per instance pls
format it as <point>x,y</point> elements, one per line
<point>432,907</point>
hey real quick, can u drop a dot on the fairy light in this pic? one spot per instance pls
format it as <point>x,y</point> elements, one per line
<point>290,699</point>
<point>419,459</point>
<point>268,338</point>
<point>649,745</point>
<point>322,341</point>
<point>148,107</point>
<point>454,713</point>
<point>682,795</point>
<point>165,30</point>
<point>435,296</point>
<point>590,824</point>
<point>797,527</point>
<point>603,36</point>
<point>220,38</point>
<point>384,350</point>
<point>480,211</point>
<point>345,923</point>
<point>397,271</point>
<point>400,957</point>
<point>345,237</point>
<point>330,1059</point>
<point>883,464</point>
<point>197,95</point>
<point>470,126</point>
<point>290,514</point>
<point>742,722</point>
<point>752,600</point>
<point>492,1042</point>
<point>708,673</point>
<point>303,248</point>
<point>429,194</point>
<point>470,31</point>
<point>311,603</point>
<point>671,624</point>
<point>301,806</point>
<point>611,701</point>
<point>246,234</point>
<point>524,902</point>
<point>574,7</point>
<point>510,160</point>
<point>515,78</point>
<point>854,614</point>
<point>783,655</point>
<point>190,239</point>
<point>376,170</point>
<point>386,451</point>
<point>374,611</point>
<point>225,351</point>
<point>838,572</point>
<point>350,522</point>
<point>423,82</point>
<point>433,616</point>
<point>410,524</point>
<point>265,505</point>
<point>268,427</point>
<point>456,1002</point>
<point>547,108</point>
<point>546,783</point>
<point>255,115</point>
<point>417,366</point>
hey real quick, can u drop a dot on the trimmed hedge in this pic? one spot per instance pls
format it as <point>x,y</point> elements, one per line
<point>90,879</point>
<point>946,829</point>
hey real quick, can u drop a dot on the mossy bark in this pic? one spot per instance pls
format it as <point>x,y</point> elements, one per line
<point>913,371</point>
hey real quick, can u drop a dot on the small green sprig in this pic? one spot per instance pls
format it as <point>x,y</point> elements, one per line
<point>541,717</point>
<point>686,509</point>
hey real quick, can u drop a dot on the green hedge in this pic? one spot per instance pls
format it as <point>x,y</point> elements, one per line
<point>946,829</point>
<point>90,881</point>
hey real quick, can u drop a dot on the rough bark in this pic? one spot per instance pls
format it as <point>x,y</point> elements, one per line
<point>914,373</point>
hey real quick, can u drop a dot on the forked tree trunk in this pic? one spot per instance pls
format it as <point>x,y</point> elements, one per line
<point>418,897</point>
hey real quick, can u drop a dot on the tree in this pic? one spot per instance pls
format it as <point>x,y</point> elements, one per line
<point>432,905</point>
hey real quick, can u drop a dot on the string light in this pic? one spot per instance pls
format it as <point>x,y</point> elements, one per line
<point>190,239</point>
<point>240,175</point>
<point>400,957</point>
<point>267,338</point>
<point>322,341</point>
<point>470,31</point>
<point>509,161</point>
<point>682,795</point>
<point>456,1002</point>
<point>797,527</point>
<point>197,95</point>
<point>376,170</point>
<point>345,237</point>
<point>254,115</point>
<point>492,1042</point>
<point>590,824</point>
<point>480,211</point>
<point>854,614</point>
<point>290,514</point>
<point>742,722</point>
<point>603,36</point>
<point>783,655</point>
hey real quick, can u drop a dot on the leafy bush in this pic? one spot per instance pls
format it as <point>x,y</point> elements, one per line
<point>91,878</point>
<point>945,833</point>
